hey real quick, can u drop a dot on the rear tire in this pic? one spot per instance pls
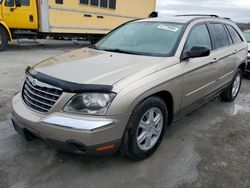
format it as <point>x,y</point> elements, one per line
<point>145,129</point>
<point>232,91</point>
<point>4,38</point>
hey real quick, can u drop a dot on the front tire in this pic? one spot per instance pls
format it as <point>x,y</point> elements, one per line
<point>3,39</point>
<point>233,89</point>
<point>145,129</point>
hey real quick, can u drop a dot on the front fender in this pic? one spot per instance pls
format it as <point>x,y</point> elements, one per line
<point>4,25</point>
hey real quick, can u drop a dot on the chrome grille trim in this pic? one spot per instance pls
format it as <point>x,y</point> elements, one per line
<point>27,88</point>
<point>28,82</point>
<point>37,107</point>
<point>40,96</point>
<point>49,105</point>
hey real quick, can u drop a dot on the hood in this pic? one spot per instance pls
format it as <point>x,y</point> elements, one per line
<point>89,66</point>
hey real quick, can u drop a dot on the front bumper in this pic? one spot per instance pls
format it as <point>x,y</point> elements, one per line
<point>85,134</point>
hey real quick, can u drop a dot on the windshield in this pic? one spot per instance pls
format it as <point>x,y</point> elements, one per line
<point>143,38</point>
<point>247,35</point>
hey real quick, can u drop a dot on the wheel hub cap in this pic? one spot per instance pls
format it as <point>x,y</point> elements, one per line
<point>236,85</point>
<point>149,129</point>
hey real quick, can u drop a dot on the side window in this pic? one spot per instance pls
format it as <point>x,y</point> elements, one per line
<point>112,4</point>
<point>104,3</point>
<point>25,2</point>
<point>229,36</point>
<point>94,2</point>
<point>59,2</point>
<point>219,35</point>
<point>9,3</point>
<point>85,2</point>
<point>234,34</point>
<point>199,36</point>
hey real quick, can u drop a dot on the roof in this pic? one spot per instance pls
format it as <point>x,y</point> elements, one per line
<point>185,18</point>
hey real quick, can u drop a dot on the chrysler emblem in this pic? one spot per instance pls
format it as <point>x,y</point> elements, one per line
<point>34,82</point>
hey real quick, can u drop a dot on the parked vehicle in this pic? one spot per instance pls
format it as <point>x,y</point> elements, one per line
<point>247,36</point>
<point>124,91</point>
<point>88,19</point>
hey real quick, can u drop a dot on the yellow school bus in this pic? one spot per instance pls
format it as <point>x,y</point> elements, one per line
<point>86,18</point>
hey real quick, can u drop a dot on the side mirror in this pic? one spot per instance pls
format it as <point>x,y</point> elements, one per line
<point>196,51</point>
<point>18,3</point>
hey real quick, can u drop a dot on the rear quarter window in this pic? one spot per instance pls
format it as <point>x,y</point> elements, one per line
<point>219,35</point>
<point>234,34</point>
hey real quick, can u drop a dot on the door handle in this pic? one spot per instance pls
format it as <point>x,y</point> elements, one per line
<point>214,60</point>
<point>235,51</point>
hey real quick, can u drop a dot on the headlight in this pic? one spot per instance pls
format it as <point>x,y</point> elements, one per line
<point>90,103</point>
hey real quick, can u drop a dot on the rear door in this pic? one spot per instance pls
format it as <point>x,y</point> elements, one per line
<point>239,47</point>
<point>201,73</point>
<point>225,51</point>
<point>24,17</point>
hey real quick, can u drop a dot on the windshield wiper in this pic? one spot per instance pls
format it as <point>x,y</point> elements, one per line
<point>93,46</point>
<point>119,51</point>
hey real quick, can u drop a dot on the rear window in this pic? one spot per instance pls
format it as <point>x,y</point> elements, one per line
<point>234,34</point>
<point>219,35</point>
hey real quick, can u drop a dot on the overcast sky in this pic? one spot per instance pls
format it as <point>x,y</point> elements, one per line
<point>238,10</point>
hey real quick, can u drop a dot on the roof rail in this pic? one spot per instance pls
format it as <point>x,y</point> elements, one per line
<point>227,18</point>
<point>210,15</point>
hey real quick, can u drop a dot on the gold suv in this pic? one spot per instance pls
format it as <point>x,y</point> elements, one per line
<point>122,92</point>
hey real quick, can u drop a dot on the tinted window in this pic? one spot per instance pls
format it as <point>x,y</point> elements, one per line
<point>219,34</point>
<point>9,3</point>
<point>112,4</point>
<point>199,36</point>
<point>235,35</point>
<point>94,2</point>
<point>143,38</point>
<point>86,2</point>
<point>104,3</point>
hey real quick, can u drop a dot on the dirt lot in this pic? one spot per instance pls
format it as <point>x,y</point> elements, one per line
<point>208,148</point>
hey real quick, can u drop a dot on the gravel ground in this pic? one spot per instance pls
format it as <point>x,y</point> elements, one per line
<point>208,148</point>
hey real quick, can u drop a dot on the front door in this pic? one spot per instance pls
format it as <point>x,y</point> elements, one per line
<point>200,74</point>
<point>24,17</point>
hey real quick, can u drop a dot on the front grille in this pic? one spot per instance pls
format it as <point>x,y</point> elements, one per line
<point>39,96</point>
